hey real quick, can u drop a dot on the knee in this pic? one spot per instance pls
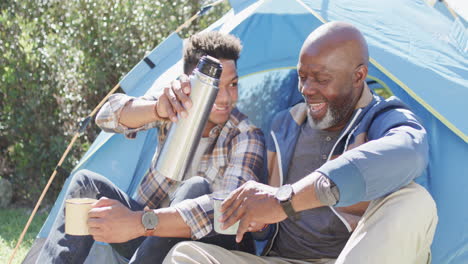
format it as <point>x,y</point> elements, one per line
<point>81,175</point>
<point>79,178</point>
<point>190,189</point>
<point>182,252</point>
<point>84,178</point>
<point>427,208</point>
<point>413,208</point>
<point>420,199</point>
<point>196,186</point>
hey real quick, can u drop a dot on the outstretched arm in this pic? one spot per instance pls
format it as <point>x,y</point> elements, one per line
<point>174,100</point>
<point>255,204</point>
<point>126,114</point>
<point>112,222</point>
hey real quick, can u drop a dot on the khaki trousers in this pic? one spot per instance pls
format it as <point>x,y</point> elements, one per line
<point>397,228</point>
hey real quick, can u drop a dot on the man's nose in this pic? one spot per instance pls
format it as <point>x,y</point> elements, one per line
<point>223,96</point>
<point>308,87</point>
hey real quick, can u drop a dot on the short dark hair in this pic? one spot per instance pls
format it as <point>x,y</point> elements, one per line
<point>213,43</point>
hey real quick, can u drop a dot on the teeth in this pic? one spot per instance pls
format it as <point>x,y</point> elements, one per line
<point>316,107</point>
<point>220,108</point>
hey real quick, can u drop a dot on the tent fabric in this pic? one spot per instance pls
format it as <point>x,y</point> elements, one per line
<point>416,52</point>
<point>446,9</point>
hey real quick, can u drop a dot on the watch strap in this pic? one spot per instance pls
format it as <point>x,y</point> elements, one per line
<point>148,232</point>
<point>289,210</point>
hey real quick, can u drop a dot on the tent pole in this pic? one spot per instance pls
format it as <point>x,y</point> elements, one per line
<point>59,164</point>
<point>198,14</point>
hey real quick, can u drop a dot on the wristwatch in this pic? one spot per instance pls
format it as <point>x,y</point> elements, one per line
<point>284,195</point>
<point>149,220</point>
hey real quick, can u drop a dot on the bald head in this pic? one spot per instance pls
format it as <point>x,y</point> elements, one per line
<point>332,70</point>
<point>341,38</point>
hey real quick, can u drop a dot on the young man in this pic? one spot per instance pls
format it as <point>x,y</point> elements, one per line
<point>230,153</point>
<point>345,192</point>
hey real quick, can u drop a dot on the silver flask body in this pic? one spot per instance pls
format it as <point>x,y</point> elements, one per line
<point>184,135</point>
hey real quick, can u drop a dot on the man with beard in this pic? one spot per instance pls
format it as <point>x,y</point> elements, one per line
<point>341,166</point>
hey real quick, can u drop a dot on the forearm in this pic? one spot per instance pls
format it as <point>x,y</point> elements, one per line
<point>170,224</point>
<point>305,196</point>
<point>138,113</point>
<point>377,167</point>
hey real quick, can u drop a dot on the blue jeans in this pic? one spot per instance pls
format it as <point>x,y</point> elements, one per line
<point>62,248</point>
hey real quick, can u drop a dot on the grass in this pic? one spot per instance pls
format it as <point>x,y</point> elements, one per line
<point>12,222</point>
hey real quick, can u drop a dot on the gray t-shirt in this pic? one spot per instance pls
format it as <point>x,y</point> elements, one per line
<point>319,233</point>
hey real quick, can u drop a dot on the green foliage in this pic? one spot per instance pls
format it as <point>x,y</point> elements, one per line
<point>384,92</point>
<point>12,222</point>
<point>58,59</point>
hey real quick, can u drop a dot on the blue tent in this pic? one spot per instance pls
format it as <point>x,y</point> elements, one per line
<point>417,53</point>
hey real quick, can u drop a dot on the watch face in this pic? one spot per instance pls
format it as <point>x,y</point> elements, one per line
<point>284,193</point>
<point>150,220</point>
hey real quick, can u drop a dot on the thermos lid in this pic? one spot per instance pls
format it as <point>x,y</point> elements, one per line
<point>210,66</point>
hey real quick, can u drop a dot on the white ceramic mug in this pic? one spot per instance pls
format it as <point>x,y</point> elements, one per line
<point>76,215</point>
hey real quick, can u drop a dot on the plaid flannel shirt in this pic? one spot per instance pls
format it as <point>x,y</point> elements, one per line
<point>235,156</point>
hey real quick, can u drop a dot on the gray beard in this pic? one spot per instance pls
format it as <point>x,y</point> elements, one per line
<point>327,121</point>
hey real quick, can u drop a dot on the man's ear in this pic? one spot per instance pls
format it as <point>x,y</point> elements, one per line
<point>360,75</point>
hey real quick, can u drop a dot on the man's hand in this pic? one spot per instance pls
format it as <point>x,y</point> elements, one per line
<point>112,222</point>
<point>254,204</point>
<point>175,99</point>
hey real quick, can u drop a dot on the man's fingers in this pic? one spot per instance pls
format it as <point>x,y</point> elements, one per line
<point>94,231</point>
<point>176,106</point>
<point>98,212</point>
<point>165,107</point>
<point>166,104</point>
<point>235,216</point>
<point>238,198</point>
<point>185,84</point>
<point>243,227</point>
<point>104,202</point>
<point>230,201</point>
<point>254,227</point>
<point>231,210</point>
<point>181,97</point>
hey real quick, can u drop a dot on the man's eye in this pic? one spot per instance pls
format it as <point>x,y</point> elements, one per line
<point>322,81</point>
<point>234,84</point>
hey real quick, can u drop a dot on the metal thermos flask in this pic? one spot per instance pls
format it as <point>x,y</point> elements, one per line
<point>184,135</point>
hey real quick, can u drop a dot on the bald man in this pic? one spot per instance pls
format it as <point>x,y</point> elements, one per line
<point>341,169</point>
